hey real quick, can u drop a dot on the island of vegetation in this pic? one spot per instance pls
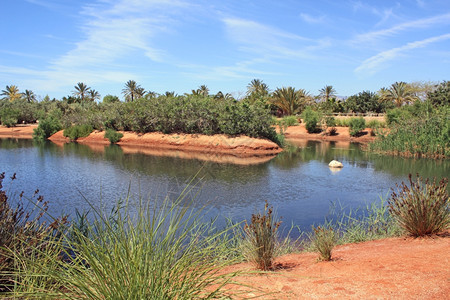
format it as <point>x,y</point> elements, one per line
<point>414,118</point>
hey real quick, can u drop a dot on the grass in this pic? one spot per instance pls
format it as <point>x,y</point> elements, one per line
<point>323,241</point>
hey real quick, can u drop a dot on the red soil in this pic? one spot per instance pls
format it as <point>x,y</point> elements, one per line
<point>394,268</point>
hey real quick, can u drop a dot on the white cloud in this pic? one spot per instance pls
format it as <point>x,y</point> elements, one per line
<point>311,19</point>
<point>374,63</point>
<point>421,23</point>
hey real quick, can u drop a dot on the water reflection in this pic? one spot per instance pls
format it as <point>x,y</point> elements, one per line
<point>298,182</point>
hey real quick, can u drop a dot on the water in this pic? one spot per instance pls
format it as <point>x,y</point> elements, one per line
<point>298,182</point>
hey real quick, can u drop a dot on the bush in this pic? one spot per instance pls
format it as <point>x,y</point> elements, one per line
<point>46,128</point>
<point>113,136</point>
<point>9,117</point>
<point>261,236</point>
<point>311,119</point>
<point>323,240</point>
<point>422,208</point>
<point>77,131</point>
<point>357,125</point>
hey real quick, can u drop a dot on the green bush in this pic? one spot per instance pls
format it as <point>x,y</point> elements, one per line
<point>356,125</point>
<point>289,121</point>
<point>113,136</point>
<point>9,117</point>
<point>77,131</point>
<point>323,241</point>
<point>46,128</point>
<point>422,208</point>
<point>261,235</point>
<point>311,119</point>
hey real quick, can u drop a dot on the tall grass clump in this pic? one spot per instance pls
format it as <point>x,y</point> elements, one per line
<point>422,208</point>
<point>323,240</point>
<point>77,131</point>
<point>260,245</point>
<point>113,136</point>
<point>356,125</point>
<point>163,251</point>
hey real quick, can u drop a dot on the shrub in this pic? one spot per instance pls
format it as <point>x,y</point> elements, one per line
<point>77,131</point>
<point>261,236</point>
<point>323,240</point>
<point>422,208</point>
<point>289,121</point>
<point>113,136</point>
<point>9,117</point>
<point>357,125</point>
<point>311,119</point>
<point>46,128</point>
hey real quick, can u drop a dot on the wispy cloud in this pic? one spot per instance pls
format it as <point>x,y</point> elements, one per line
<point>421,23</point>
<point>311,19</point>
<point>267,41</point>
<point>374,63</point>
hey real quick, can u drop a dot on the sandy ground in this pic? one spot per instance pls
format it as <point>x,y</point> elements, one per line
<point>394,268</point>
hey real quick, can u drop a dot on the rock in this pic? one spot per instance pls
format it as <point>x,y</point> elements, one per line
<point>335,164</point>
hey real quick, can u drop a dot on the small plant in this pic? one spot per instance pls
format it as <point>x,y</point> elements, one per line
<point>422,208</point>
<point>311,119</point>
<point>324,239</point>
<point>113,136</point>
<point>77,131</point>
<point>261,236</point>
<point>357,125</point>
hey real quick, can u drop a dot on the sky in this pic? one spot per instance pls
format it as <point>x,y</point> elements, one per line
<point>48,46</point>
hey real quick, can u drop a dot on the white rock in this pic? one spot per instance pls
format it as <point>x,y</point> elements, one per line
<point>335,164</point>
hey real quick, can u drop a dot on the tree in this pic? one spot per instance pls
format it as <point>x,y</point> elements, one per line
<point>93,95</point>
<point>221,96</point>
<point>111,99</point>
<point>327,92</point>
<point>363,102</point>
<point>81,90</point>
<point>440,96</point>
<point>289,100</point>
<point>132,91</point>
<point>29,95</point>
<point>11,93</point>
<point>399,93</point>
<point>257,90</point>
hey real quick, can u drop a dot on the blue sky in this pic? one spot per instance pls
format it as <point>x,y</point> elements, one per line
<point>177,45</point>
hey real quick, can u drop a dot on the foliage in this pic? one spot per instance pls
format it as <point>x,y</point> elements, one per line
<point>161,252</point>
<point>77,131</point>
<point>356,125</point>
<point>11,93</point>
<point>113,136</point>
<point>398,93</point>
<point>289,100</point>
<point>440,96</point>
<point>364,102</point>
<point>261,235</point>
<point>23,232</point>
<point>132,91</point>
<point>327,92</point>
<point>288,121</point>
<point>110,99</point>
<point>311,119</point>
<point>422,208</point>
<point>9,117</point>
<point>424,135</point>
<point>323,241</point>
<point>47,127</point>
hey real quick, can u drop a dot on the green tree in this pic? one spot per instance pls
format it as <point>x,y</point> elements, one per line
<point>327,92</point>
<point>398,93</point>
<point>440,96</point>
<point>111,99</point>
<point>132,91</point>
<point>289,100</point>
<point>257,90</point>
<point>221,96</point>
<point>11,93</point>
<point>29,95</point>
<point>93,95</point>
<point>365,101</point>
<point>81,90</point>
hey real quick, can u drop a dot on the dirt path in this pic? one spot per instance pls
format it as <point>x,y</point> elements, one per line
<point>394,268</point>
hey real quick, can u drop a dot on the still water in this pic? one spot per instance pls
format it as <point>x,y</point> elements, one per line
<point>298,182</point>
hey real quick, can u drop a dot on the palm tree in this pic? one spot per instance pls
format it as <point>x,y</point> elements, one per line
<point>81,90</point>
<point>11,93</point>
<point>257,88</point>
<point>170,94</point>
<point>289,100</point>
<point>201,91</point>
<point>132,91</point>
<point>150,95</point>
<point>327,92</point>
<point>93,95</point>
<point>399,93</point>
<point>221,96</point>
<point>29,95</point>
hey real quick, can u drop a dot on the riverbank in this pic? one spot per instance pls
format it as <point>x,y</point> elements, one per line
<point>393,268</point>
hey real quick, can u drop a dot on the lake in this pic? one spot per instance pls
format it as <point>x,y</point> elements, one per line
<point>298,182</point>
